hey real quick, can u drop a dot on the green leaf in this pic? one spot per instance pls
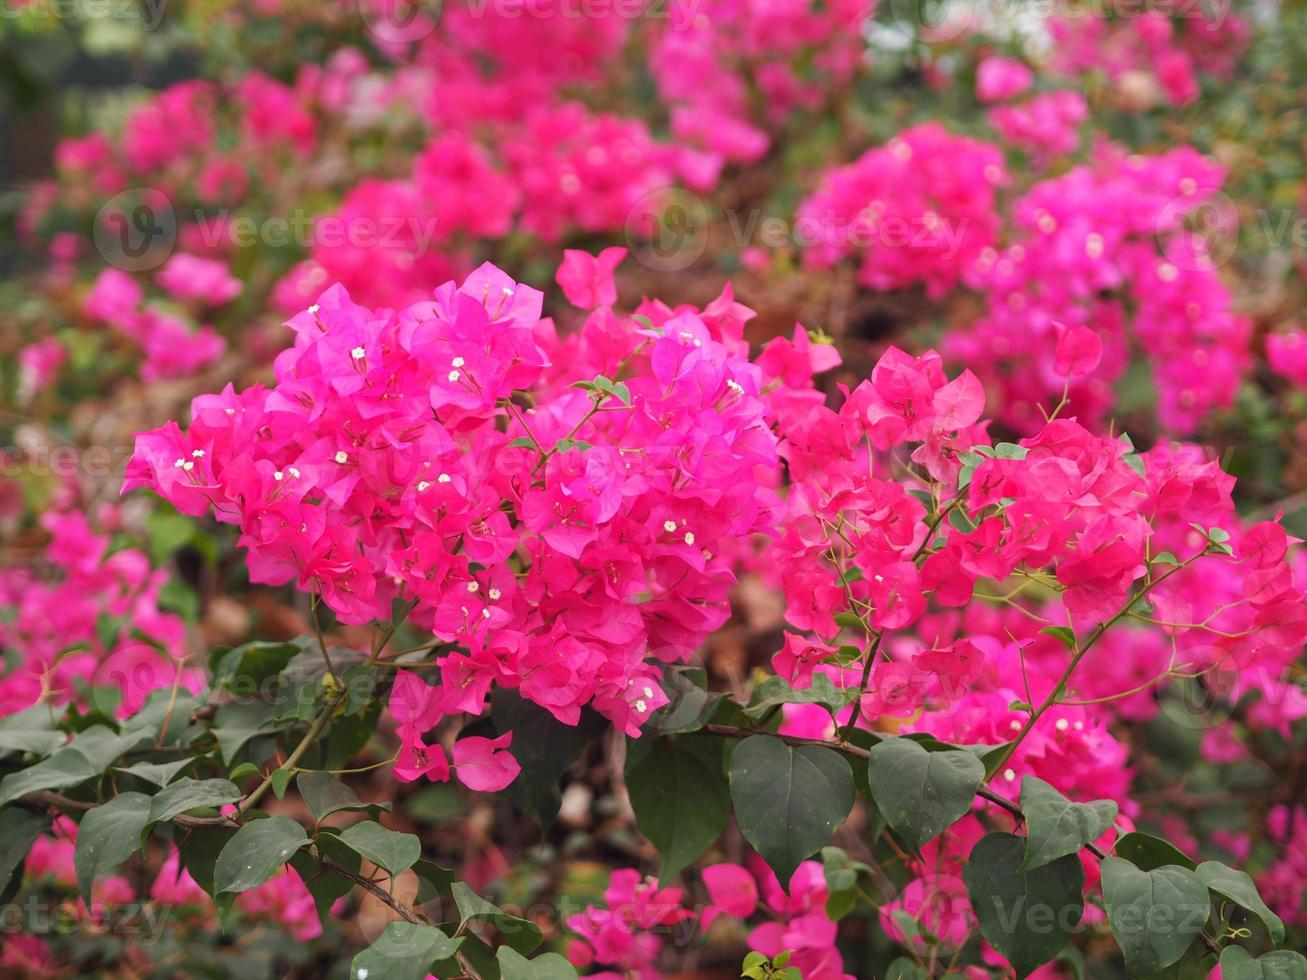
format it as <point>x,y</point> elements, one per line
<point>325,795</point>
<point>433,881</point>
<point>403,951</point>
<point>156,773</point>
<point>19,830</point>
<point>776,691</point>
<point>190,794</point>
<point>387,849</point>
<point>1155,915</point>
<point>522,934</point>
<point>1028,916</point>
<point>547,966</point>
<point>87,755</point>
<point>279,780</point>
<point>689,705</point>
<point>1284,964</point>
<point>1055,826</point>
<point>1147,852</point>
<point>921,793</point>
<point>236,722</point>
<point>200,849</point>
<point>107,836</point>
<point>325,884</point>
<point>788,799</point>
<point>256,852</point>
<point>681,798</point>
<point>1063,634</point>
<point>1239,888</point>
<point>31,730</point>
<point>544,747</point>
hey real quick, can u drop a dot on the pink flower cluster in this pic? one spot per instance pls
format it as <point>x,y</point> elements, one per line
<point>1168,51</point>
<point>92,619</point>
<point>171,343</point>
<point>444,455</point>
<point>1105,247</point>
<point>918,210</point>
<point>625,932</point>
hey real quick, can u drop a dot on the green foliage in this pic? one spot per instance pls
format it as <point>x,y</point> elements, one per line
<point>1155,914</point>
<point>1055,826</point>
<point>922,793</point>
<point>680,797</point>
<point>788,799</point>
<point>1027,914</point>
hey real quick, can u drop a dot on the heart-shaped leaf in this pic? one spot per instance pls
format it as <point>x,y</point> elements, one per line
<point>1055,826</point>
<point>1155,915</point>
<point>1027,915</point>
<point>256,852</point>
<point>107,836</point>
<point>788,798</point>
<point>921,793</point>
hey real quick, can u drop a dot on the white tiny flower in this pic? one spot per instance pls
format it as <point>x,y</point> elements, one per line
<point>1094,245</point>
<point>188,466</point>
<point>669,526</point>
<point>457,362</point>
<point>507,291</point>
<point>1009,774</point>
<point>641,707</point>
<point>314,309</point>
<point>443,478</point>
<point>454,375</point>
<point>198,453</point>
<point>358,353</point>
<point>1061,724</point>
<point>1167,272</point>
<point>735,386</point>
<point>230,411</point>
<point>494,594</point>
<point>473,586</point>
<point>278,475</point>
<point>648,692</point>
<point>1014,725</point>
<point>485,613</point>
<point>1079,726</point>
<point>689,537</point>
<point>342,457</point>
<point>422,486</point>
<point>180,463</point>
<point>293,472</point>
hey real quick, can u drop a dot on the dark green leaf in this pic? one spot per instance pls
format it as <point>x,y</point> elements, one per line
<point>1055,826</point>
<point>1147,852</point>
<point>433,881</point>
<point>87,755</point>
<point>1239,888</point>
<point>256,852</point>
<point>156,773</point>
<point>200,848</point>
<point>544,747</point>
<point>404,951</point>
<point>681,798</point>
<point>1028,916</point>
<point>19,830</point>
<point>324,884</point>
<point>1284,964</point>
<point>776,691</point>
<point>788,799</point>
<point>107,836</point>
<point>522,934</point>
<point>31,730</point>
<point>547,966</point>
<point>325,795</point>
<point>1063,634</point>
<point>388,849</point>
<point>189,794</point>
<point>922,793</point>
<point>236,722</point>
<point>1155,915</point>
